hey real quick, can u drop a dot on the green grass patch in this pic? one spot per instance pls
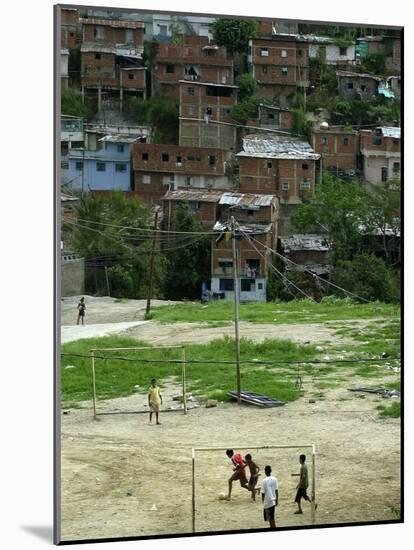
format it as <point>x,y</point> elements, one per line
<point>118,378</point>
<point>297,311</point>
<point>390,411</point>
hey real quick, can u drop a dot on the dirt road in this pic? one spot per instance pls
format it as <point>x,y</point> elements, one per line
<point>116,469</point>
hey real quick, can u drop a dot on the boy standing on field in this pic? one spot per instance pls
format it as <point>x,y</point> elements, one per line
<point>270,497</point>
<point>154,400</point>
<point>303,484</point>
<point>254,474</point>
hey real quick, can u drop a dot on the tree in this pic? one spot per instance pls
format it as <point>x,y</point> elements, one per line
<point>71,104</point>
<point>233,33</point>
<point>338,207</point>
<point>187,266</point>
<point>247,86</point>
<point>367,276</point>
<point>162,113</point>
<point>109,234</point>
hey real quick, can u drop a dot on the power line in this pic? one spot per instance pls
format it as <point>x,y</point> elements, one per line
<point>148,230</point>
<point>228,362</point>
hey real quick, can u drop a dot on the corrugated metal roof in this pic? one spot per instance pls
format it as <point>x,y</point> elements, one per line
<point>119,49</point>
<point>278,147</point>
<point>390,131</point>
<point>250,228</point>
<point>202,196</point>
<point>360,75</point>
<point>112,23</point>
<point>119,138</point>
<point>246,200</point>
<point>304,242</point>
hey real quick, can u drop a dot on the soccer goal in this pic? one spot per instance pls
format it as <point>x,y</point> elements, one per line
<point>97,353</point>
<point>272,448</point>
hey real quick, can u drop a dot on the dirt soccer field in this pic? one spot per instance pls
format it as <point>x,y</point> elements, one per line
<point>123,477</point>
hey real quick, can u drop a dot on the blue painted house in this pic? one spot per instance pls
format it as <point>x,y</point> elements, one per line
<point>107,167</point>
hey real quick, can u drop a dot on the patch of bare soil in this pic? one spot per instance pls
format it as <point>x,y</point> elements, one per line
<point>122,476</point>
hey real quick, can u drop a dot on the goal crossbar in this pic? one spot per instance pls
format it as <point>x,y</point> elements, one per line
<point>183,361</point>
<point>264,447</point>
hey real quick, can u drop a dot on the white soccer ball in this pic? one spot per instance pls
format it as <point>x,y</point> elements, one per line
<point>222,496</point>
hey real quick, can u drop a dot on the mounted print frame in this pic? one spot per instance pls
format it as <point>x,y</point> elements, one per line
<point>228,265</point>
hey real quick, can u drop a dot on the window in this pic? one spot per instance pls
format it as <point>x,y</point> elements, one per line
<point>305,185</point>
<point>305,166</point>
<point>343,50</point>
<point>269,164</point>
<point>100,167</point>
<point>225,264</point>
<point>285,186</point>
<point>192,157</point>
<point>144,156</point>
<point>120,167</point>
<point>209,111</point>
<point>120,148</point>
<point>247,285</point>
<point>194,206</point>
<point>79,166</point>
<point>384,174</point>
<point>191,110</point>
<point>259,286</point>
<point>64,165</point>
<point>376,141</point>
<point>211,159</point>
<point>98,32</point>
<point>188,180</point>
<point>270,116</point>
<point>396,167</point>
<point>129,35</point>
<point>190,91</point>
<point>131,76</point>
<point>363,88</point>
<point>72,34</point>
<point>324,141</point>
<point>264,69</point>
<point>346,141</point>
<point>264,52</point>
<point>165,157</point>
<point>98,56</point>
<point>250,213</point>
<point>284,71</point>
<point>226,284</point>
<point>178,159</point>
<point>170,68</point>
<point>283,53</point>
<point>163,30</point>
<point>299,53</point>
<point>146,178</point>
<point>350,85</point>
<point>226,111</point>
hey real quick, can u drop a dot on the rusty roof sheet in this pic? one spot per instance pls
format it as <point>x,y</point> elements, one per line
<point>360,75</point>
<point>112,23</point>
<point>202,196</point>
<point>304,242</point>
<point>278,147</point>
<point>247,200</point>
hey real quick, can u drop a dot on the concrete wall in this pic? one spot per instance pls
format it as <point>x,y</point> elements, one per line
<point>373,168</point>
<point>73,277</point>
<point>256,294</point>
<point>338,149</point>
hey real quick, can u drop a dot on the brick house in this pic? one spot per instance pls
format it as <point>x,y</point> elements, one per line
<point>358,85</point>
<point>68,25</point>
<point>257,215</point>
<point>381,154</point>
<point>273,117</point>
<point>202,203</point>
<point>205,115</point>
<point>111,58</point>
<point>310,252</point>
<point>158,168</point>
<point>194,60</point>
<point>388,46</point>
<point>280,64</point>
<point>283,166</point>
<point>338,148</point>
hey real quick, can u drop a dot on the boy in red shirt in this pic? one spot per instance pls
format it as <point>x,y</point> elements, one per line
<point>238,470</point>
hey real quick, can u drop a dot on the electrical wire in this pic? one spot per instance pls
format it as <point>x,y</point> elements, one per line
<point>148,230</point>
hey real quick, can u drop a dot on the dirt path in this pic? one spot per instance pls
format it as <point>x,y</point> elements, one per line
<point>116,469</point>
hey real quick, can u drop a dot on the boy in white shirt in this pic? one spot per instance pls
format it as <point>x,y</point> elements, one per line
<point>270,497</point>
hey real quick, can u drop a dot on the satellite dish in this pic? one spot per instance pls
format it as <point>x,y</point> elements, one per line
<point>324,126</point>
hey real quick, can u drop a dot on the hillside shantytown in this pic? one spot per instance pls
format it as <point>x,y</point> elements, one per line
<point>260,121</point>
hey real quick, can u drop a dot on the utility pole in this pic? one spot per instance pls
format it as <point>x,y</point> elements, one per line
<point>151,274</point>
<point>236,307</point>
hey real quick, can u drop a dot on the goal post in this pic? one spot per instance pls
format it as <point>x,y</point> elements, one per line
<point>262,447</point>
<point>93,358</point>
